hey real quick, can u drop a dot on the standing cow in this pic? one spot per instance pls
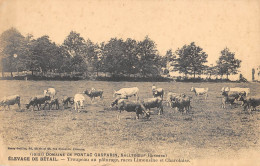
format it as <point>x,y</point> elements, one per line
<point>157,92</point>
<point>127,92</point>
<point>10,100</point>
<point>94,93</point>
<point>79,100</point>
<point>200,91</point>
<point>50,92</point>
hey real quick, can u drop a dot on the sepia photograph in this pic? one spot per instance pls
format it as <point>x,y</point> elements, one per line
<point>135,82</point>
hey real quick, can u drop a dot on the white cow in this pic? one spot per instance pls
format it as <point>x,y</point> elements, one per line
<point>127,92</point>
<point>79,100</point>
<point>236,89</point>
<point>50,92</point>
<point>10,100</point>
<point>200,91</point>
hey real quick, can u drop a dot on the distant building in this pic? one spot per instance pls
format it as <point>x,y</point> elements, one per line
<point>257,73</point>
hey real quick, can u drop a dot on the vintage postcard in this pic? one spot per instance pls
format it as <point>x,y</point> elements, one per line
<point>135,82</point>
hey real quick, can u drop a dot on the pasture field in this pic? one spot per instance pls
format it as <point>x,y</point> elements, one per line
<point>208,131</point>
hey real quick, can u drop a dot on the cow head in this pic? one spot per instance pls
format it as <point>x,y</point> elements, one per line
<point>47,97</point>
<point>153,87</point>
<point>86,92</point>
<point>192,89</point>
<point>115,102</point>
<point>241,98</point>
<point>224,93</point>
<point>114,94</point>
<point>71,100</point>
<point>80,104</point>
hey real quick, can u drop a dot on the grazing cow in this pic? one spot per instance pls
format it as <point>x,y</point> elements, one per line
<point>79,100</point>
<point>153,103</point>
<point>236,89</point>
<point>200,91</point>
<point>10,100</point>
<point>127,92</point>
<point>172,96</point>
<point>118,100</point>
<point>37,101</point>
<point>94,93</point>
<point>131,106</point>
<point>157,92</point>
<point>250,103</point>
<point>50,92</point>
<point>182,103</point>
<point>66,100</point>
<point>51,103</point>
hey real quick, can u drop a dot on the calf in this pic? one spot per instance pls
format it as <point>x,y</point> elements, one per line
<point>79,100</point>
<point>51,103</point>
<point>153,103</point>
<point>10,100</point>
<point>37,101</point>
<point>66,100</point>
<point>200,91</point>
<point>182,103</point>
<point>94,93</point>
<point>136,107</point>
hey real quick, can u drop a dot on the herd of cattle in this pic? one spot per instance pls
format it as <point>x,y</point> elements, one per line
<point>121,101</point>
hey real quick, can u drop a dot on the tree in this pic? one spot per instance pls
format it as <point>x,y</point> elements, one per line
<point>170,60</point>
<point>227,63</point>
<point>113,53</point>
<point>44,55</point>
<point>75,45</point>
<point>148,57</point>
<point>12,50</point>
<point>253,74</point>
<point>211,70</point>
<point>130,61</point>
<point>191,59</point>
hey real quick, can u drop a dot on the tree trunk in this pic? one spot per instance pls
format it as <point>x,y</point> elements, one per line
<point>32,72</point>
<point>194,74</point>
<point>3,73</point>
<point>12,74</point>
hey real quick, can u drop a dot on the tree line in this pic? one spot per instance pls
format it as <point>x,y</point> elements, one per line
<point>117,57</point>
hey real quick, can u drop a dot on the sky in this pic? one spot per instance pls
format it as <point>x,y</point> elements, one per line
<point>211,24</point>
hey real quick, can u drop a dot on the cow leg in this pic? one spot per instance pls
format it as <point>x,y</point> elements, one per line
<point>161,108</point>
<point>137,116</point>
<point>159,111</point>
<point>19,105</point>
